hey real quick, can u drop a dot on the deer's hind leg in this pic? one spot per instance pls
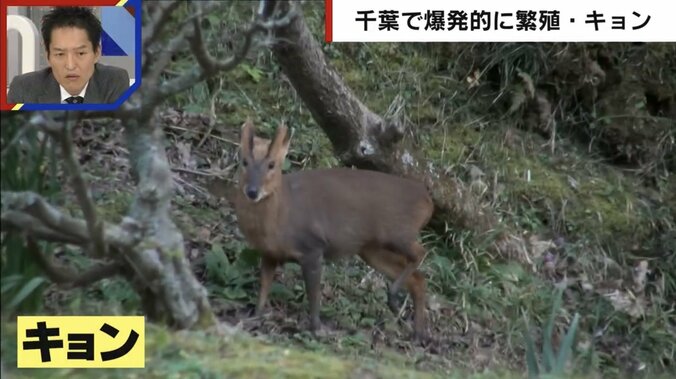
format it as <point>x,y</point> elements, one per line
<point>413,254</point>
<point>397,268</point>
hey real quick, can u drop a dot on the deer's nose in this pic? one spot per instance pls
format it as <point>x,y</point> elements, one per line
<point>251,192</point>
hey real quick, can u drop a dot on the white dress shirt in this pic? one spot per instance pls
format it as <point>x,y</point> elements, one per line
<point>65,94</point>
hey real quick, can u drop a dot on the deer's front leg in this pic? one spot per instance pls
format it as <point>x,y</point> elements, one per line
<point>268,267</point>
<point>311,265</point>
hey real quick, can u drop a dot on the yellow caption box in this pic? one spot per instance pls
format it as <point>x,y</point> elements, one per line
<point>81,341</point>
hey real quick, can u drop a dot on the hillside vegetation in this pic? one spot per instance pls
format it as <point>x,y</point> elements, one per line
<point>572,145</point>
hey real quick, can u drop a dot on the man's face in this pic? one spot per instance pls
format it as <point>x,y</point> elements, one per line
<point>72,57</point>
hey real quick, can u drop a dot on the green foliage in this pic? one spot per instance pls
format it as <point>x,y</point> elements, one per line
<point>551,365</point>
<point>254,73</point>
<point>26,287</point>
<point>119,293</point>
<point>227,279</point>
<point>28,164</point>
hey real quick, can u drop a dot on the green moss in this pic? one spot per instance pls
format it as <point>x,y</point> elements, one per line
<point>353,78</point>
<point>610,212</point>
<point>530,178</point>
<point>448,148</point>
<point>595,203</point>
<point>114,205</point>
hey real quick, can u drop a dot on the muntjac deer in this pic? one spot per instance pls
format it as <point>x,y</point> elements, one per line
<point>311,215</point>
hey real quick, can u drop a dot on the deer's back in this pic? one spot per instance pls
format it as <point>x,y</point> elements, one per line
<point>343,209</point>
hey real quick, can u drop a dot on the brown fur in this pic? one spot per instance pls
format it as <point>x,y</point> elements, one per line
<point>311,215</point>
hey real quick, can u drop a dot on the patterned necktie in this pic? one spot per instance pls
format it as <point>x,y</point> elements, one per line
<point>75,100</point>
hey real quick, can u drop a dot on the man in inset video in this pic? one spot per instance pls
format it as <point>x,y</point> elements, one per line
<point>71,37</point>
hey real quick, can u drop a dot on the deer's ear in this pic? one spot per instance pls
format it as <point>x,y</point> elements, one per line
<point>280,145</point>
<point>246,142</point>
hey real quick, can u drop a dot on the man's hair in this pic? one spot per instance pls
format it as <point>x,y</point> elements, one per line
<point>79,17</point>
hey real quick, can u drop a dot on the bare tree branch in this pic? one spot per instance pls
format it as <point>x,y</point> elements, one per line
<point>126,111</point>
<point>153,72</point>
<point>48,124</point>
<point>34,227</point>
<point>266,8</point>
<point>35,206</point>
<point>199,48</point>
<point>62,133</point>
<point>17,137</point>
<point>69,276</point>
<point>84,198</point>
<point>47,220</point>
<point>209,66</point>
<point>159,20</point>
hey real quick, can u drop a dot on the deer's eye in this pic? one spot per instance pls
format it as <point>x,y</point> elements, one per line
<point>271,165</point>
<point>245,163</point>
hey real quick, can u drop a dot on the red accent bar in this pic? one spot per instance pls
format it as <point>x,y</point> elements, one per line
<point>3,59</point>
<point>84,3</point>
<point>328,20</point>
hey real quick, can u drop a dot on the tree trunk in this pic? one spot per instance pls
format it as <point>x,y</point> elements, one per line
<point>364,139</point>
<point>163,274</point>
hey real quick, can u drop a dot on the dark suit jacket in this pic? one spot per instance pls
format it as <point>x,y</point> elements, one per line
<point>105,86</point>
